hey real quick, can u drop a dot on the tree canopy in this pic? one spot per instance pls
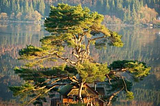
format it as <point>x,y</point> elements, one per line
<point>75,29</point>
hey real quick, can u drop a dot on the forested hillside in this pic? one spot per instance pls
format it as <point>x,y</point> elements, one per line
<point>115,11</point>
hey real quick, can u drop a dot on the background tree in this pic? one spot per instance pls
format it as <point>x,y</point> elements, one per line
<point>147,14</point>
<point>77,29</point>
<point>106,7</point>
<point>3,16</point>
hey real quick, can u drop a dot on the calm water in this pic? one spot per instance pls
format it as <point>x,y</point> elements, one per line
<point>141,44</point>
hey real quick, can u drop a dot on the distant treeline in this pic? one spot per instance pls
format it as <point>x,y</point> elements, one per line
<point>115,11</point>
<point>143,97</point>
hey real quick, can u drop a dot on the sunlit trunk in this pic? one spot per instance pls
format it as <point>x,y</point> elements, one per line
<point>80,92</point>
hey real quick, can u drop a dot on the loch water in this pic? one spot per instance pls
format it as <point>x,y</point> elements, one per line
<point>142,44</point>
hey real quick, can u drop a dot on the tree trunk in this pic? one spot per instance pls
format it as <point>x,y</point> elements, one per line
<point>80,92</point>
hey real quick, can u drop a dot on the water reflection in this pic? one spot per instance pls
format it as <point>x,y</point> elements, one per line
<point>14,37</point>
<point>140,44</point>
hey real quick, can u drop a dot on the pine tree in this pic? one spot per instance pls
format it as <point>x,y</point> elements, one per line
<point>31,7</point>
<point>13,5</point>
<point>41,7</point>
<point>134,14</point>
<point>125,16</point>
<point>18,8</point>
<point>26,7</point>
<point>35,4</point>
<point>129,13</point>
<point>107,5</point>
<point>141,3</point>
<point>22,9</point>
<point>113,4</point>
<point>74,28</point>
<point>119,5</point>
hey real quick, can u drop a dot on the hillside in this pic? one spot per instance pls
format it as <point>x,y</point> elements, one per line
<point>115,11</point>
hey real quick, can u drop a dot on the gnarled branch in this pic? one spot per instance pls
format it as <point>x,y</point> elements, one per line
<point>113,95</point>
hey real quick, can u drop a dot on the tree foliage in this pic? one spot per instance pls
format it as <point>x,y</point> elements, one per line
<point>77,29</point>
<point>147,14</point>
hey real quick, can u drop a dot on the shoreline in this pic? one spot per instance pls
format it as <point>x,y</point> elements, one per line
<point>108,25</point>
<point>122,25</point>
<point>23,22</point>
